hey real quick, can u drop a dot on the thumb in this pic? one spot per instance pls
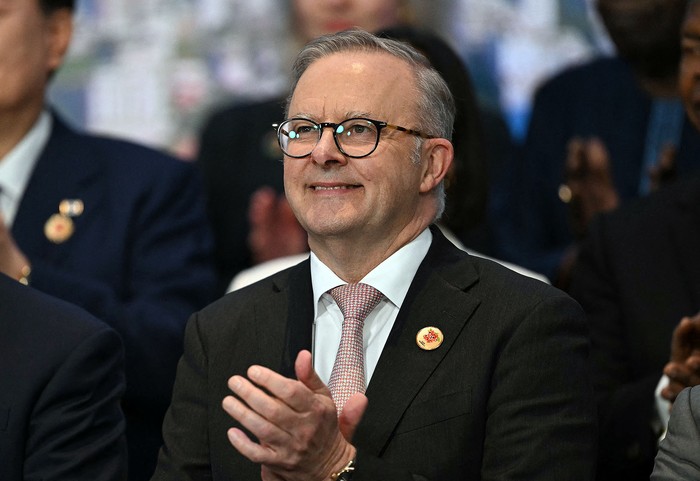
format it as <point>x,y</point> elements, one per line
<point>351,415</point>
<point>303,368</point>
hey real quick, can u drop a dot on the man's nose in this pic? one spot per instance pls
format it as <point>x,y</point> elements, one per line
<point>326,150</point>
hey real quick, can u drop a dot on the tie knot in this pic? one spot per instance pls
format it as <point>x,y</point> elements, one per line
<point>356,300</point>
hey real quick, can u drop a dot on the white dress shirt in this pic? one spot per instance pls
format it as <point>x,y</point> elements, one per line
<point>16,167</point>
<point>392,278</point>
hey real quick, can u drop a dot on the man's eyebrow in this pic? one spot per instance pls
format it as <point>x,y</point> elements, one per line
<point>356,113</point>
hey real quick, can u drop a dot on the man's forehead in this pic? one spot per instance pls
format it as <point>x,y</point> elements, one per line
<point>340,86</point>
<point>359,63</point>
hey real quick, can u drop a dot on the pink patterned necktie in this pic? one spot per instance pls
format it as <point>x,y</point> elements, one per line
<point>356,301</point>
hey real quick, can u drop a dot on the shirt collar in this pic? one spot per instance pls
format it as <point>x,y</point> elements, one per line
<point>392,277</point>
<point>16,167</point>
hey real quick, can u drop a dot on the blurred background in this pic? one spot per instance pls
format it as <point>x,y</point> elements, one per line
<point>152,70</point>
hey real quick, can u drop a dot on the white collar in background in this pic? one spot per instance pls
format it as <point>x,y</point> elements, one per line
<point>17,166</point>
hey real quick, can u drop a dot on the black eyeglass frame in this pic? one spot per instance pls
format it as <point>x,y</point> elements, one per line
<point>379,124</point>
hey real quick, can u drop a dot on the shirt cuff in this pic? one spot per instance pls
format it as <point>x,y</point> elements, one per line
<point>663,407</point>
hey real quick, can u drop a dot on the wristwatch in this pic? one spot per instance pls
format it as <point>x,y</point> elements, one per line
<point>344,474</point>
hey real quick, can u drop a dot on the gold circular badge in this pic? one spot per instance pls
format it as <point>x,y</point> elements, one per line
<point>429,338</point>
<point>58,228</point>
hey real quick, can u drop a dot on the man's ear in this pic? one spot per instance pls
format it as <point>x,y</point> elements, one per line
<point>59,25</point>
<point>437,160</point>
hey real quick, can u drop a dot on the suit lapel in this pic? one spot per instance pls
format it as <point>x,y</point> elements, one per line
<point>284,319</point>
<point>437,298</point>
<point>66,169</point>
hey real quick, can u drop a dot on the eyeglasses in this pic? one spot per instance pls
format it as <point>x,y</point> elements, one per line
<point>356,137</point>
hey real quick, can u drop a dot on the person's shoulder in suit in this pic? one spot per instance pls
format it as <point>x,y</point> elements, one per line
<point>679,452</point>
<point>596,79</point>
<point>125,158</point>
<point>61,383</point>
<point>635,218</point>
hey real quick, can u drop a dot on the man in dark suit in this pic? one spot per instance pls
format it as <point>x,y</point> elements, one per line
<point>636,278</point>
<point>61,380</point>
<point>619,115</point>
<point>113,227</point>
<point>474,371</point>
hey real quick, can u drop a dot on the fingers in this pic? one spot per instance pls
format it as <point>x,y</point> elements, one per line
<point>351,415</point>
<point>253,451</point>
<point>294,421</point>
<point>575,157</point>
<point>686,339</point>
<point>249,415</point>
<point>681,375</point>
<point>598,159</point>
<point>665,168</point>
<point>261,205</point>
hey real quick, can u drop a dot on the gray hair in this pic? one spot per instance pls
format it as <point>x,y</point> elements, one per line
<point>436,106</point>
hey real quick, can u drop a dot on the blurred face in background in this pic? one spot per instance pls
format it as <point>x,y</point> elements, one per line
<point>689,79</point>
<point>645,33</point>
<point>318,17</point>
<point>32,46</point>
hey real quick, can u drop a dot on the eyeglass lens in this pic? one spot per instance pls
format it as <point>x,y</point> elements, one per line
<point>354,137</point>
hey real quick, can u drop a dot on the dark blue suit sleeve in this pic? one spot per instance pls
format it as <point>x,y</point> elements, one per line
<point>76,429</point>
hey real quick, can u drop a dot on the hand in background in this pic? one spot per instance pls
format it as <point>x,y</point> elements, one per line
<point>684,368</point>
<point>274,230</point>
<point>12,259</point>
<point>665,169</point>
<point>590,182</point>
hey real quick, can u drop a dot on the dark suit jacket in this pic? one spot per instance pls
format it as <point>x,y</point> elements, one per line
<point>506,396</point>
<point>61,380</point>
<point>139,259</point>
<point>238,155</point>
<point>601,98</point>
<point>636,277</point>
<point>679,452</point>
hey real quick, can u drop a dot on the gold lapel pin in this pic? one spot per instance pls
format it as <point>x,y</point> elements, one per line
<point>429,338</point>
<point>58,228</point>
<point>71,207</point>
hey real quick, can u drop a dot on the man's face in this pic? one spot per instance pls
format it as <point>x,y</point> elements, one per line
<point>315,18</point>
<point>689,81</point>
<point>28,52</point>
<point>370,198</point>
<point>645,32</point>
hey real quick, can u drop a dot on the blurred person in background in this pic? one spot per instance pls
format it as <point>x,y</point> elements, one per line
<point>601,133</point>
<point>114,227</point>
<point>637,280</point>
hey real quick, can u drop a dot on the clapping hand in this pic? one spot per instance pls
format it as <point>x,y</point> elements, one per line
<point>684,368</point>
<point>300,437</point>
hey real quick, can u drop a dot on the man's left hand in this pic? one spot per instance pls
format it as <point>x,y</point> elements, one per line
<point>683,370</point>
